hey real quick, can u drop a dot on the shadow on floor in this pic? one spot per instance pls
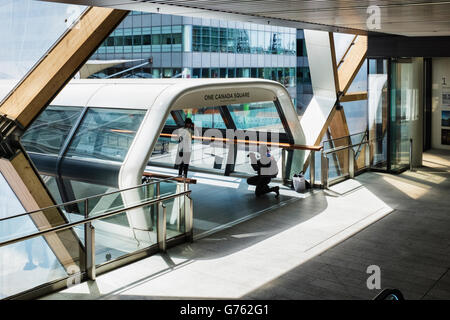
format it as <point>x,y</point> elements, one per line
<point>411,246</point>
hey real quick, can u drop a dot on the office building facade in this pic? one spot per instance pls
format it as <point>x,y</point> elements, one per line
<point>147,45</point>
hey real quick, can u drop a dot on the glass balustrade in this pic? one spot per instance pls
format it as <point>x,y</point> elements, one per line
<point>34,253</point>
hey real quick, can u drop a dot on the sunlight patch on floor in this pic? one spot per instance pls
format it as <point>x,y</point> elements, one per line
<point>239,273</point>
<point>414,190</point>
<point>425,176</point>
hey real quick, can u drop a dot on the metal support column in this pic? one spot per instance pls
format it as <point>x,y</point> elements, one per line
<point>312,169</point>
<point>367,156</point>
<point>351,162</point>
<point>162,227</point>
<point>324,167</point>
<point>89,236</point>
<point>189,216</point>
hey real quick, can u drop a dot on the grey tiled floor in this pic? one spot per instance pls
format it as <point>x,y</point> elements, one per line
<point>411,245</point>
<point>313,248</point>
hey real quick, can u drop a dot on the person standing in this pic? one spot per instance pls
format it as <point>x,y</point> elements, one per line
<point>267,168</point>
<point>184,147</point>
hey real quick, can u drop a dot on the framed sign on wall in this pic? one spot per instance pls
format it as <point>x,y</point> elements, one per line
<point>445,96</point>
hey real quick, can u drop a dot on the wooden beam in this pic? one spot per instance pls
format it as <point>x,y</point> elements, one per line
<point>346,51</point>
<point>344,74</point>
<point>349,67</point>
<point>28,99</point>
<point>352,63</point>
<point>337,125</point>
<point>354,96</point>
<point>333,61</point>
<point>339,129</point>
<point>360,163</point>
<point>320,136</point>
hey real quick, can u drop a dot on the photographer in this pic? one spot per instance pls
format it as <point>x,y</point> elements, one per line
<point>267,168</point>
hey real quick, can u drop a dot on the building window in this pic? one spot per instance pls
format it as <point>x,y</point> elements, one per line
<point>206,39</point>
<point>205,73</point>
<point>146,39</point>
<point>196,73</point>
<point>110,42</point>
<point>223,40</point>
<point>231,73</point>
<point>243,45</point>
<point>137,40</point>
<point>214,73</point>
<point>232,38</point>
<point>197,38</point>
<point>156,73</point>
<point>215,43</point>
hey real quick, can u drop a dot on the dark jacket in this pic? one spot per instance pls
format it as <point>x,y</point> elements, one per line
<point>271,168</point>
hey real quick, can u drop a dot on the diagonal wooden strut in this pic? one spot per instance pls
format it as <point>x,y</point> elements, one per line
<point>353,61</point>
<point>343,73</point>
<point>28,100</point>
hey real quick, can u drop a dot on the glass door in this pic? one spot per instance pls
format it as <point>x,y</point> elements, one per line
<point>400,113</point>
<point>378,112</point>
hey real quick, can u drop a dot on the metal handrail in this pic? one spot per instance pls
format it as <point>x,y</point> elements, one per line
<point>85,199</point>
<point>350,135</point>
<point>351,158</point>
<point>89,265</point>
<point>345,147</point>
<point>282,145</point>
<point>87,220</point>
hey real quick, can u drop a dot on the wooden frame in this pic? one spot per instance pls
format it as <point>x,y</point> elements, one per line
<point>344,73</point>
<point>29,98</point>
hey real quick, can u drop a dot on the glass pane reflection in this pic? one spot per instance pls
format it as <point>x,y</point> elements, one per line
<point>261,116</point>
<point>49,131</point>
<point>106,134</point>
<point>29,29</point>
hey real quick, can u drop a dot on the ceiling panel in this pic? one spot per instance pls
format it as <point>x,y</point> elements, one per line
<point>403,17</point>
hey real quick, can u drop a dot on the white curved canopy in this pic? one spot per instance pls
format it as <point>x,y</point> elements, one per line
<point>161,96</point>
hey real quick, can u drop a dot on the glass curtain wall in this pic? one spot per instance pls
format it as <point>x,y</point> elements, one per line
<point>28,30</point>
<point>212,39</point>
<point>395,95</point>
<point>400,114</point>
<point>378,111</point>
<point>137,40</point>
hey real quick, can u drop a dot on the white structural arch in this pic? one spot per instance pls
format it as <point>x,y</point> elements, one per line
<point>158,97</point>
